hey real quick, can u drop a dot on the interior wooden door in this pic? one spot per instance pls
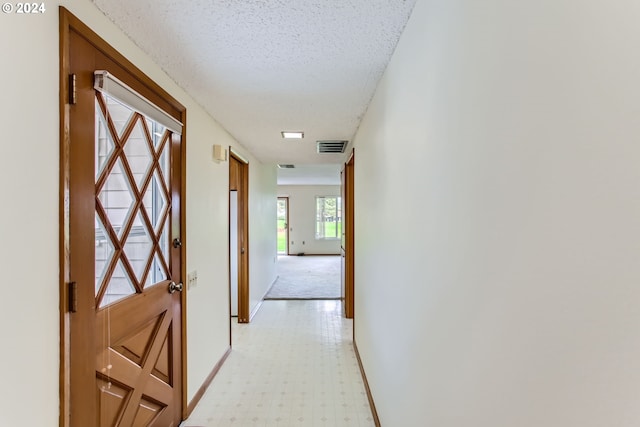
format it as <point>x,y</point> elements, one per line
<point>348,239</point>
<point>239,182</point>
<point>122,174</point>
<point>343,241</point>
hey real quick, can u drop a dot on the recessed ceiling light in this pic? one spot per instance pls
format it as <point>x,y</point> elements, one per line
<point>288,134</point>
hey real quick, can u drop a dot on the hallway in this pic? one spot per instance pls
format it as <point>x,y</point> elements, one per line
<point>294,365</point>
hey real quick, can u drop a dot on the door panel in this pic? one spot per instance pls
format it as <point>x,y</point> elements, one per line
<point>134,361</point>
<point>123,350</point>
<point>239,183</point>
<point>348,245</point>
<point>133,207</point>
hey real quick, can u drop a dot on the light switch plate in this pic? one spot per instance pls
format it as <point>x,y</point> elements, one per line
<point>192,279</point>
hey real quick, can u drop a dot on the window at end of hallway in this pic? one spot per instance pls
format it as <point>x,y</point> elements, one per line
<point>328,217</point>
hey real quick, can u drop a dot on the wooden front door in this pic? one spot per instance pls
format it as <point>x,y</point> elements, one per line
<point>122,265</point>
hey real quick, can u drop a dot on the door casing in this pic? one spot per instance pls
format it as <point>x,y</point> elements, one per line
<point>348,241</point>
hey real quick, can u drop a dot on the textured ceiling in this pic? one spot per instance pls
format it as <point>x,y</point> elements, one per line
<point>263,66</point>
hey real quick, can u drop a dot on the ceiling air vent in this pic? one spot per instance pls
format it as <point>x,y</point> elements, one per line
<point>332,146</point>
<point>286,166</point>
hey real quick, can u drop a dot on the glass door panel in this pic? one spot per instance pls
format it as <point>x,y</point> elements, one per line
<point>283,226</point>
<point>133,203</point>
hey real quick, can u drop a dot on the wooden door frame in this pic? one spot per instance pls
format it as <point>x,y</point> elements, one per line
<point>240,183</point>
<point>148,88</point>
<point>349,231</point>
<point>286,221</point>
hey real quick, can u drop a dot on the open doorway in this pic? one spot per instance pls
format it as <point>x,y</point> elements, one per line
<point>283,226</point>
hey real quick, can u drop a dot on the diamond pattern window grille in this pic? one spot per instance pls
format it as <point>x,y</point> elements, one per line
<point>155,201</point>
<point>104,142</point>
<point>136,151</point>
<point>104,252</point>
<point>133,202</point>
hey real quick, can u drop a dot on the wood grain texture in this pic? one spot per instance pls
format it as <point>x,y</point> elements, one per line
<point>239,181</point>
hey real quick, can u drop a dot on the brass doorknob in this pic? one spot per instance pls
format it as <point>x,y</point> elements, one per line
<point>173,287</point>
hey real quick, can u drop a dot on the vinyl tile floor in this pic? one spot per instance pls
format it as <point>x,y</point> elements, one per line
<point>293,365</point>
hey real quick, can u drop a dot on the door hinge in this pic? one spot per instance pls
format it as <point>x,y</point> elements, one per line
<point>73,297</point>
<point>72,89</point>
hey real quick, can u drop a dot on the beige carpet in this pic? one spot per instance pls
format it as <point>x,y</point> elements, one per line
<point>307,277</point>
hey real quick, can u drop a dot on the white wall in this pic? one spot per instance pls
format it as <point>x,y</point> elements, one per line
<point>207,247</point>
<point>29,218</point>
<point>262,229</point>
<point>501,155</point>
<point>302,218</point>
<point>29,226</point>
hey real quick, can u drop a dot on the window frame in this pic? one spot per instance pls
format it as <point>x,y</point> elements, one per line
<point>320,226</point>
